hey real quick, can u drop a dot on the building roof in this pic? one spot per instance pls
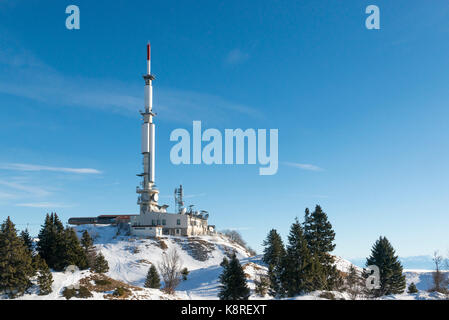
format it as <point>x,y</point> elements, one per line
<point>117,215</point>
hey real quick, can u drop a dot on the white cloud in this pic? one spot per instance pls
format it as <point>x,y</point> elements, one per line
<point>24,75</point>
<point>6,195</point>
<point>32,167</point>
<point>48,205</point>
<point>26,188</point>
<point>303,166</point>
<point>236,56</point>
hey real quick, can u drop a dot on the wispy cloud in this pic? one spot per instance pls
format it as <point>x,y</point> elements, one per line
<point>303,166</point>
<point>236,56</point>
<point>26,188</point>
<point>47,205</point>
<point>185,106</point>
<point>24,75</point>
<point>32,167</point>
<point>6,195</point>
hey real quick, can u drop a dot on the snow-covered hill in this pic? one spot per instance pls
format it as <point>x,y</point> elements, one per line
<point>129,259</point>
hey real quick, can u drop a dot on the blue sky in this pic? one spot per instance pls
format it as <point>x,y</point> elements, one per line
<point>362,114</point>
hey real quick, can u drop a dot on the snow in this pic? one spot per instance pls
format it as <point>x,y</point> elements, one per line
<point>129,259</point>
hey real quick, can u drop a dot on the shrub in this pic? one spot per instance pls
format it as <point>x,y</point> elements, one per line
<point>327,295</point>
<point>163,245</point>
<point>185,272</point>
<point>69,293</point>
<point>120,292</point>
<point>102,282</point>
<point>412,288</point>
<point>100,264</point>
<point>83,293</point>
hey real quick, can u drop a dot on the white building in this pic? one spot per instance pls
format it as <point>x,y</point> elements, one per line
<point>147,231</point>
<point>153,219</point>
<point>181,224</point>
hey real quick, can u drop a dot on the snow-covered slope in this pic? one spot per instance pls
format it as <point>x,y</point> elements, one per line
<point>129,259</point>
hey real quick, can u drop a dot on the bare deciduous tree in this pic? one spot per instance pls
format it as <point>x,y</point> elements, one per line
<point>170,270</point>
<point>235,236</point>
<point>354,283</point>
<point>439,277</point>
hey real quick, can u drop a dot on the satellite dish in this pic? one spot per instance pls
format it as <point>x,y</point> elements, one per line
<point>183,211</point>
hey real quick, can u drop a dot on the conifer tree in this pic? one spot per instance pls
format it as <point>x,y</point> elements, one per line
<point>274,249</point>
<point>15,262</point>
<point>88,245</point>
<point>297,273</point>
<point>184,273</point>
<point>233,282</point>
<point>86,241</point>
<point>44,276</point>
<point>72,252</point>
<point>101,264</point>
<point>274,275</point>
<point>392,281</point>
<point>224,263</point>
<point>412,288</point>
<point>51,245</point>
<point>320,238</point>
<point>153,280</point>
<point>274,253</point>
<point>25,235</point>
<point>262,285</point>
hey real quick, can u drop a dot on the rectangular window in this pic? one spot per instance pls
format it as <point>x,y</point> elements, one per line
<point>153,222</point>
<point>178,222</point>
<point>177,231</point>
<point>158,222</point>
<point>164,222</point>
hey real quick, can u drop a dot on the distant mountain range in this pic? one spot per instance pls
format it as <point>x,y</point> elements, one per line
<point>414,262</point>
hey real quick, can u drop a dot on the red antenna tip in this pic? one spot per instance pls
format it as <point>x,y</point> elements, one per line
<point>148,51</point>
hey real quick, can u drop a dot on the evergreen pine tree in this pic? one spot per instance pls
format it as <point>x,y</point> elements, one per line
<point>72,252</point>
<point>320,238</point>
<point>86,241</point>
<point>298,265</point>
<point>51,243</point>
<point>25,235</point>
<point>274,248</point>
<point>184,273</point>
<point>392,281</point>
<point>274,275</point>
<point>224,263</point>
<point>233,282</point>
<point>88,245</point>
<point>15,262</point>
<point>412,288</point>
<point>101,264</point>
<point>261,283</point>
<point>153,280</point>
<point>274,253</point>
<point>44,277</point>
